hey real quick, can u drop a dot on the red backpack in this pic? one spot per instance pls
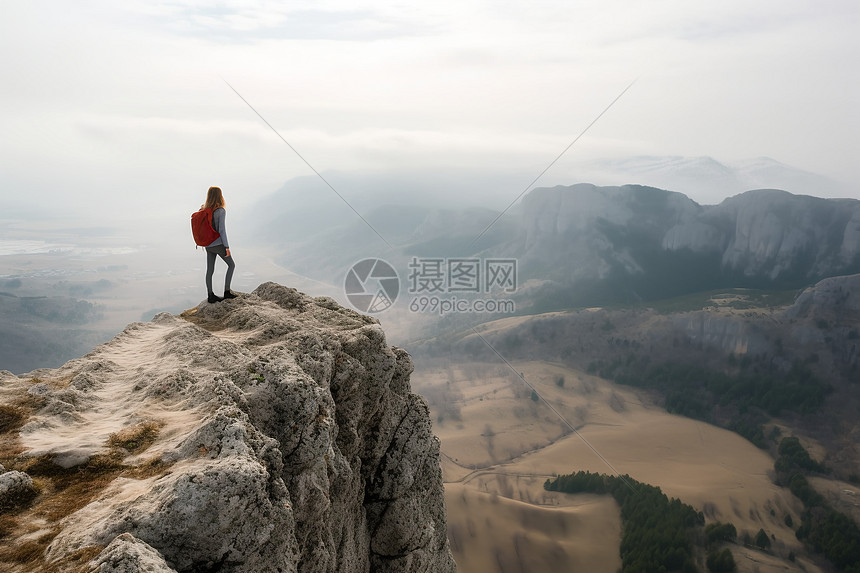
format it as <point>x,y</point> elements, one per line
<point>201,228</point>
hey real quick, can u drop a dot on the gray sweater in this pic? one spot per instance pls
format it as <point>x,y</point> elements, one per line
<point>218,217</point>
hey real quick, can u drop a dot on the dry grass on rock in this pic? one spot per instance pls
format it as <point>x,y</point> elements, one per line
<point>27,529</point>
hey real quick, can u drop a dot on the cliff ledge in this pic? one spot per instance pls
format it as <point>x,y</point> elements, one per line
<point>272,432</point>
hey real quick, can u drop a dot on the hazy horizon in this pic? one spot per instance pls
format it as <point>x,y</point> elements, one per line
<point>125,109</point>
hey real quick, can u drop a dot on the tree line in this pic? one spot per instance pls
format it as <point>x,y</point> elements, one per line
<point>825,529</point>
<point>742,399</point>
<point>657,532</point>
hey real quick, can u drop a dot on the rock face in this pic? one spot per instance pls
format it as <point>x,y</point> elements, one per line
<point>833,297</point>
<point>14,488</point>
<point>126,554</point>
<point>587,227</point>
<point>765,233</point>
<point>774,234</point>
<point>597,245</point>
<point>272,432</point>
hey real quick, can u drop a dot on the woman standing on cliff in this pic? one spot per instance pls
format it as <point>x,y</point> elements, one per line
<point>220,247</point>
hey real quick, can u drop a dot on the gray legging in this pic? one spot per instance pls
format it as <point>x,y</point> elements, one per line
<point>211,254</point>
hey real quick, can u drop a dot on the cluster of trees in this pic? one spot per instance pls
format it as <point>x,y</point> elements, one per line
<point>793,456</point>
<point>721,561</point>
<point>692,388</point>
<point>834,534</point>
<point>720,532</point>
<point>661,533</point>
<point>697,392</point>
<point>762,541</point>
<point>827,530</point>
<point>657,530</point>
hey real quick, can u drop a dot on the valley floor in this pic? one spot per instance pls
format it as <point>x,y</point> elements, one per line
<point>500,444</point>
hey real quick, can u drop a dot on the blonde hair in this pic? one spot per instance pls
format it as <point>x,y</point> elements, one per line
<point>214,198</point>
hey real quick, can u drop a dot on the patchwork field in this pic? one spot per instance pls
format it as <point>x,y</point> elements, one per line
<point>501,441</point>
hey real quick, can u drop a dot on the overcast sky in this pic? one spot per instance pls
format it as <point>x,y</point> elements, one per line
<point>123,105</point>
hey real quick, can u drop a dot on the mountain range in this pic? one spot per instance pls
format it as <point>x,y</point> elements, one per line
<point>586,245</point>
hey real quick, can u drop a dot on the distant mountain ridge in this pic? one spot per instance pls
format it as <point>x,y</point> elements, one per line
<point>708,180</point>
<point>775,233</point>
<point>639,243</point>
<point>586,245</point>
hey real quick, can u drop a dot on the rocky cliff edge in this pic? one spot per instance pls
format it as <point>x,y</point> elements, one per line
<point>274,432</point>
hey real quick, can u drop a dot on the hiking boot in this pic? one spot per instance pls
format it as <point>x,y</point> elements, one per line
<point>229,294</point>
<point>214,298</point>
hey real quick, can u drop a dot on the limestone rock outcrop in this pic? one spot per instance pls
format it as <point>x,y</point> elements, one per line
<point>127,554</point>
<point>273,432</point>
<point>15,488</point>
<point>836,296</point>
<point>595,245</point>
<point>774,234</point>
